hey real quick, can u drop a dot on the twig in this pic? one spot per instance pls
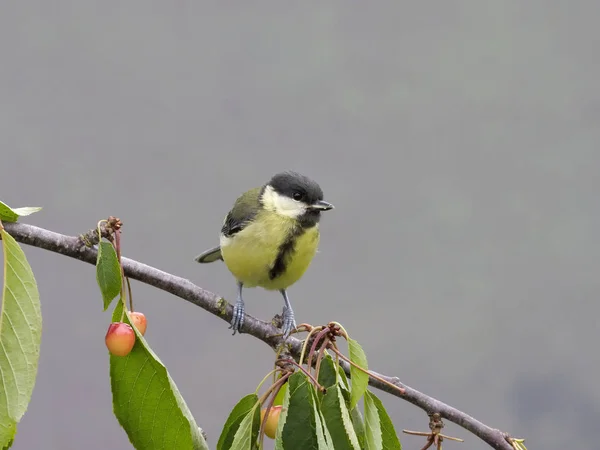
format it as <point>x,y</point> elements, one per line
<point>75,247</point>
<point>434,436</point>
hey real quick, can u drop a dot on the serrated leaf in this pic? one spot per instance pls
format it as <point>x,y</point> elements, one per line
<point>324,438</point>
<point>302,430</point>
<point>359,426</point>
<point>327,372</point>
<point>146,400</point>
<point>9,214</point>
<point>20,338</point>
<point>359,379</point>
<point>108,273</point>
<point>379,433</point>
<point>373,439</point>
<point>355,416</point>
<point>239,411</point>
<point>26,210</point>
<point>343,378</point>
<point>338,421</point>
<point>244,436</point>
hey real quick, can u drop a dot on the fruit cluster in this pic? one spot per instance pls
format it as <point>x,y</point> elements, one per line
<point>120,337</point>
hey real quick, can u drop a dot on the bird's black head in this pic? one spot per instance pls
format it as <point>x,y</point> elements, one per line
<point>297,187</point>
<point>295,195</point>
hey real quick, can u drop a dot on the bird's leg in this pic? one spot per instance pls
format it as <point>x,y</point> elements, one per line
<point>289,323</point>
<point>238,311</point>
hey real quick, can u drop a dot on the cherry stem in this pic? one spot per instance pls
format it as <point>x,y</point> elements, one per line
<point>305,344</point>
<point>129,294</point>
<point>272,372</point>
<point>313,347</point>
<point>344,333</point>
<point>320,356</point>
<point>273,389</point>
<point>117,245</point>
<point>315,382</point>
<point>401,390</point>
<point>274,386</point>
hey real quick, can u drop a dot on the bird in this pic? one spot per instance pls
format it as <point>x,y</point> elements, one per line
<point>269,239</point>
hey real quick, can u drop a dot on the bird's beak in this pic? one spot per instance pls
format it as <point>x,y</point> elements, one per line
<point>321,205</point>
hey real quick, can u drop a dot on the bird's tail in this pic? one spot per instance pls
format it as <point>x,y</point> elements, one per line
<point>211,255</point>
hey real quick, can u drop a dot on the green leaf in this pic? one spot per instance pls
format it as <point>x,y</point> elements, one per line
<point>282,418</point>
<point>301,425</point>
<point>108,272</point>
<point>327,372</point>
<point>26,210</point>
<point>373,439</point>
<point>338,421</point>
<point>379,431</point>
<point>324,438</point>
<point>241,410</point>
<point>20,338</point>
<point>343,378</point>
<point>360,379</point>
<point>9,214</point>
<point>146,400</point>
<point>247,432</point>
<point>359,426</point>
<point>278,400</point>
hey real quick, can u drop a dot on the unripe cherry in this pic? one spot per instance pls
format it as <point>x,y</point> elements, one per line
<point>272,420</point>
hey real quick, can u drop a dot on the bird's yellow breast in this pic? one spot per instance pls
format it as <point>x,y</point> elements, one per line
<point>252,253</point>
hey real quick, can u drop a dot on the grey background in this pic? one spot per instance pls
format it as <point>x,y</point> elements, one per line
<point>457,140</point>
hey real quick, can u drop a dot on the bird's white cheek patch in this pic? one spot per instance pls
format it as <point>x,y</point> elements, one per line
<point>281,204</point>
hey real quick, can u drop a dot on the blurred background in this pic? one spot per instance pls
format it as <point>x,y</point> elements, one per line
<point>457,140</point>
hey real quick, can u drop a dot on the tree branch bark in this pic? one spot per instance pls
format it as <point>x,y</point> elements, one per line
<point>74,247</point>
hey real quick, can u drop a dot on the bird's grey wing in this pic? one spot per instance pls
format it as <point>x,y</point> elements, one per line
<point>243,212</point>
<point>210,255</point>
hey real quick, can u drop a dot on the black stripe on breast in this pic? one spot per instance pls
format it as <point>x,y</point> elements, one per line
<point>286,250</point>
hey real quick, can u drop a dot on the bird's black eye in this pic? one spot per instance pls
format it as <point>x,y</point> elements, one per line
<point>297,196</point>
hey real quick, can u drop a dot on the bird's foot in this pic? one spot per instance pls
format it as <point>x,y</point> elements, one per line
<point>238,316</point>
<point>289,322</point>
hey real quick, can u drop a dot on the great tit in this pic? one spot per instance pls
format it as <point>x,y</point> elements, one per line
<point>269,238</point>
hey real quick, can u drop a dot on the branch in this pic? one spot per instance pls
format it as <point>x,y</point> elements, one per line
<point>75,248</point>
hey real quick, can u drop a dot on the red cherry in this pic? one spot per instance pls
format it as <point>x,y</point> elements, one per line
<point>120,338</point>
<point>272,420</point>
<point>139,320</point>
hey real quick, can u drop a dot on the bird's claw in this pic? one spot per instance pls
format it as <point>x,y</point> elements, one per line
<point>289,322</point>
<point>237,319</point>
